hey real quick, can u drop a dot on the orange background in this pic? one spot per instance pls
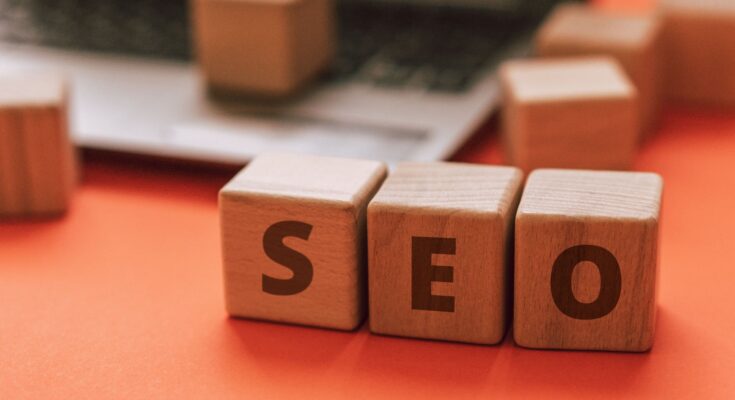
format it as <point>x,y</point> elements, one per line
<point>123,298</point>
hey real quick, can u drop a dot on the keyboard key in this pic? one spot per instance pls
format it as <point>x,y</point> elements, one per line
<point>450,81</point>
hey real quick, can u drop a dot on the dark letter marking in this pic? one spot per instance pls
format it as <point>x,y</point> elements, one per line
<point>289,258</point>
<point>561,282</point>
<point>423,273</point>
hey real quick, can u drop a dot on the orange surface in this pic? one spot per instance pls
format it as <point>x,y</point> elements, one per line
<point>123,298</point>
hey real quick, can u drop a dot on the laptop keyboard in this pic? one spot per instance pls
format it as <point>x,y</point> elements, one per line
<point>430,48</point>
<point>139,27</point>
<point>384,45</point>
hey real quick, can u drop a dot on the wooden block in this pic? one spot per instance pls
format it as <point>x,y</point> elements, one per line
<point>37,162</point>
<point>569,113</point>
<point>293,236</point>
<point>634,40</point>
<point>699,38</point>
<point>586,260</point>
<point>264,47</point>
<point>439,238</point>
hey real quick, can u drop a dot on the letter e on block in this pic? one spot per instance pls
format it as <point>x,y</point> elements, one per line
<point>439,249</point>
<point>586,260</point>
<point>293,239</point>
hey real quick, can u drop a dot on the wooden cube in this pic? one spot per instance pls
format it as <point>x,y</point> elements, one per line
<point>699,38</point>
<point>263,47</point>
<point>37,160</point>
<point>293,237</point>
<point>439,238</point>
<point>569,113</point>
<point>586,260</point>
<point>634,40</point>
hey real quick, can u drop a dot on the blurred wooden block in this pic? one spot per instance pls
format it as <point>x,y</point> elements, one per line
<point>699,38</point>
<point>293,237</point>
<point>569,113</point>
<point>37,163</point>
<point>634,40</point>
<point>586,260</point>
<point>262,47</point>
<point>439,247</point>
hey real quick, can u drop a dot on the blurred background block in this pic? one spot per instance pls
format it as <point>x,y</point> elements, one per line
<point>569,113</point>
<point>266,47</point>
<point>37,163</point>
<point>634,39</point>
<point>700,51</point>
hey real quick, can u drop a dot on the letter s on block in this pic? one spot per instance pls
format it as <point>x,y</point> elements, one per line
<point>610,282</point>
<point>274,248</point>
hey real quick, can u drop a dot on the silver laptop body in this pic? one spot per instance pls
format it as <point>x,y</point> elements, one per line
<point>412,80</point>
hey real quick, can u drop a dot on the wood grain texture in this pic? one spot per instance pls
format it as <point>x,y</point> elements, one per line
<point>37,159</point>
<point>699,46</point>
<point>329,194</point>
<point>633,39</point>
<point>473,207</point>
<point>569,113</point>
<point>562,209</point>
<point>263,47</point>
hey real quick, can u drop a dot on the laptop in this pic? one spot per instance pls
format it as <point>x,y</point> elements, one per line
<point>412,79</point>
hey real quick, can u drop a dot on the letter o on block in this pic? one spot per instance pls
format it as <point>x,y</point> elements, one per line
<point>293,239</point>
<point>562,276</point>
<point>609,220</point>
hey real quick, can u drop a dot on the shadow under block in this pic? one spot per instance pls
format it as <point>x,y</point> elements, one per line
<point>263,47</point>
<point>439,238</point>
<point>634,40</point>
<point>569,113</point>
<point>293,236</point>
<point>37,161</point>
<point>699,42</point>
<point>586,260</point>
